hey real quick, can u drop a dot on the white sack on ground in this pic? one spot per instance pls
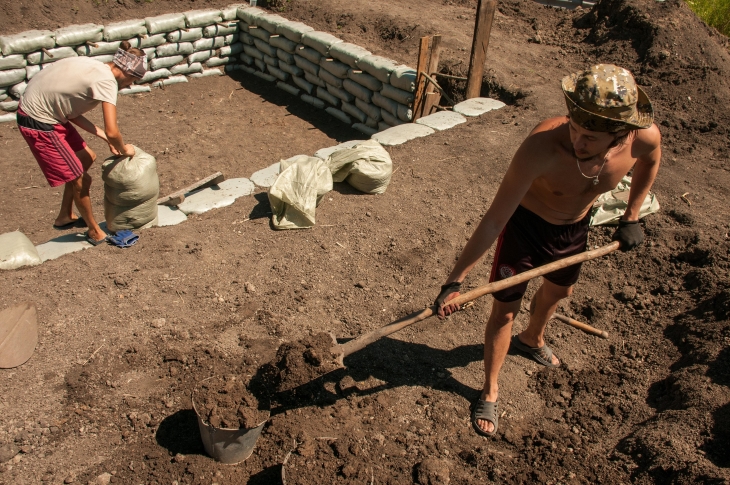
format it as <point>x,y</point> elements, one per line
<point>366,166</point>
<point>297,191</point>
<point>131,189</point>
<point>16,250</point>
<point>78,34</point>
<point>25,42</point>
<point>610,206</point>
<point>125,30</point>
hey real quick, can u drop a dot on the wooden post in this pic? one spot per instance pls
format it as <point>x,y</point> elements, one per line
<point>420,80</point>
<point>482,30</point>
<point>432,96</point>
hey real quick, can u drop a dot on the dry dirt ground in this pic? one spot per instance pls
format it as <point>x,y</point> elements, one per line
<point>125,336</point>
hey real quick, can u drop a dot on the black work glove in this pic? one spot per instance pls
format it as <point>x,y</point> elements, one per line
<point>629,234</point>
<point>446,291</point>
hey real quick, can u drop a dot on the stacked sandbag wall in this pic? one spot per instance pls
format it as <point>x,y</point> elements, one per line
<point>369,92</point>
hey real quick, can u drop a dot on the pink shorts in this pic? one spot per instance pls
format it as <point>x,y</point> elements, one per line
<point>54,147</point>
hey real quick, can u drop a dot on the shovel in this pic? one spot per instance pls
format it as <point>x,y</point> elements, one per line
<point>343,350</point>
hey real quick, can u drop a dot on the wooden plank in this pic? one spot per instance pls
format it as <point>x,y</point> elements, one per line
<point>420,80</point>
<point>433,97</point>
<point>480,43</point>
<point>178,197</point>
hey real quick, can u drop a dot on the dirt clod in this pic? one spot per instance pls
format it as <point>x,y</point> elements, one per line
<point>303,361</point>
<point>225,402</point>
<point>433,471</point>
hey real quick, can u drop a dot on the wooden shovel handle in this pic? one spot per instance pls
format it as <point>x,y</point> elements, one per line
<point>581,326</point>
<point>365,340</point>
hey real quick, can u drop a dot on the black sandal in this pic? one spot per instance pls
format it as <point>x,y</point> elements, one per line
<point>486,411</point>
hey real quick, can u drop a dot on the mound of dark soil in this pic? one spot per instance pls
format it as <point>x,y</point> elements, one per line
<point>226,402</point>
<point>300,362</point>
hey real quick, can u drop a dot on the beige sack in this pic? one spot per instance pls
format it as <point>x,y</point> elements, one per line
<point>366,166</point>
<point>297,191</point>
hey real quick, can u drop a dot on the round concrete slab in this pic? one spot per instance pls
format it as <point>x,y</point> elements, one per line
<point>443,120</point>
<point>398,135</point>
<point>266,176</point>
<point>217,196</point>
<point>324,153</point>
<point>477,106</point>
<point>169,216</point>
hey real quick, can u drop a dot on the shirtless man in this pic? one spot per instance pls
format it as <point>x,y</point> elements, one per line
<point>542,207</point>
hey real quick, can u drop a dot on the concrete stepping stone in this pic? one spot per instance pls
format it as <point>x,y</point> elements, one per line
<point>324,153</point>
<point>477,106</point>
<point>400,134</point>
<point>443,120</point>
<point>217,196</point>
<point>266,176</point>
<point>60,246</point>
<point>169,216</point>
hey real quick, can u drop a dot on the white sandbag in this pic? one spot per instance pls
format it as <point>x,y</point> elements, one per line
<point>334,67</point>
<point>281,42</point>
<point>175,49</point>
<point>187,69</point>
<point>366,166</point>
<point>386,103</point>
<point>288,88</point>
<point>16,251</point>
<point>228,39</point>
<point>284,56</point>
<point>218,61</point>
<point>307,87</point>
<point>358,90</point>
<point>398,95</point>
<point>50,55</point>
<point>293,30</point>
<point>162,62</point>
<point>300,187</point>
<point>265,77</point>
<point>249,14</point>
<point>330,79</point>
<point>165,23</point>
<point>320,41</point>
<point>25,42</point>
<point>31,71</point>
<point>316,102</point>
<point>129,186</point>
<point>124,30</point>
<point>150,52</point>
<point>314,79</point>
<point>203,44</point>
<point>367,130</point>
<point>339,115</point>
<point>200,56</point>
<point>207,72</point>
<point>3,96</point>
<point>258,33</point>
<point>135,90</point>
<point>8,118</point>
<point>341,94</point>
<point>17,90</point>
<point>231,11</point>
<point>269,22</point>
<point>154,76</point>
<point>371,110</point>
<point>202,18</point>
<point>293,70</point>
<point>306,65</point>
<point>221,30</point>
<point>265,47</point>
<point>348,53</point>
<point>404,77</point>
<point>171,80</point>
<point>9,105</point>
<point>246,38</point>
<point>78,34</point>
<point>150,41</point>
<point>191,35</point>
<point>230,50</point>
<point>389,118</point>
<point>100,49</point>
<point>15,61</point>
<point>405,113</point>
<point>271,61</point>
<point>11,76</point>
<point>246,59</point>
<point>253,52</point>
<point>378,67</point>
<point>323,94</point>
<point>308,53</point>
<point>365,79</point>
<point>371,123</point>
<point>277,73</point>
<point>260,65</point>
<point>354,111</point>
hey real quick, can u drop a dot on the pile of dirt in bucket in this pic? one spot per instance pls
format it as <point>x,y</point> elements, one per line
<point>300,362</point>
<point>226,402</point>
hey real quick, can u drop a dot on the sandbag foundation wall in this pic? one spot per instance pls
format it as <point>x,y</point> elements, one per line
<point>368,92</point>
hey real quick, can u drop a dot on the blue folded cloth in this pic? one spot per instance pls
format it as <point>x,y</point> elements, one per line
<point>123,239</point>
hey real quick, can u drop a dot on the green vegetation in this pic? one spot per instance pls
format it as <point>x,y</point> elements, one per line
<point>715,12</point>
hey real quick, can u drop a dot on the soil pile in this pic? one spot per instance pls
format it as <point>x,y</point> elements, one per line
<point>226,402</point>
<point>300,362</point>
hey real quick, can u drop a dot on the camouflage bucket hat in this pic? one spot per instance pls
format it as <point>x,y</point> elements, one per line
<point>606,98</point>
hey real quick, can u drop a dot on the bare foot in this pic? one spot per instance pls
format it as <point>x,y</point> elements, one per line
<point>60,222</point>
<point>96,235</point>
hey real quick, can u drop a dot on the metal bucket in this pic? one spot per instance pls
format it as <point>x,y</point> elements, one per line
<point>226,445</point>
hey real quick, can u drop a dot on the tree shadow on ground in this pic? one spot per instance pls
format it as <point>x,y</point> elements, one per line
<point>319,119</point>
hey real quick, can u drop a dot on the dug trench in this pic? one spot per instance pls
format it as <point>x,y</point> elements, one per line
<point>126,338</point>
